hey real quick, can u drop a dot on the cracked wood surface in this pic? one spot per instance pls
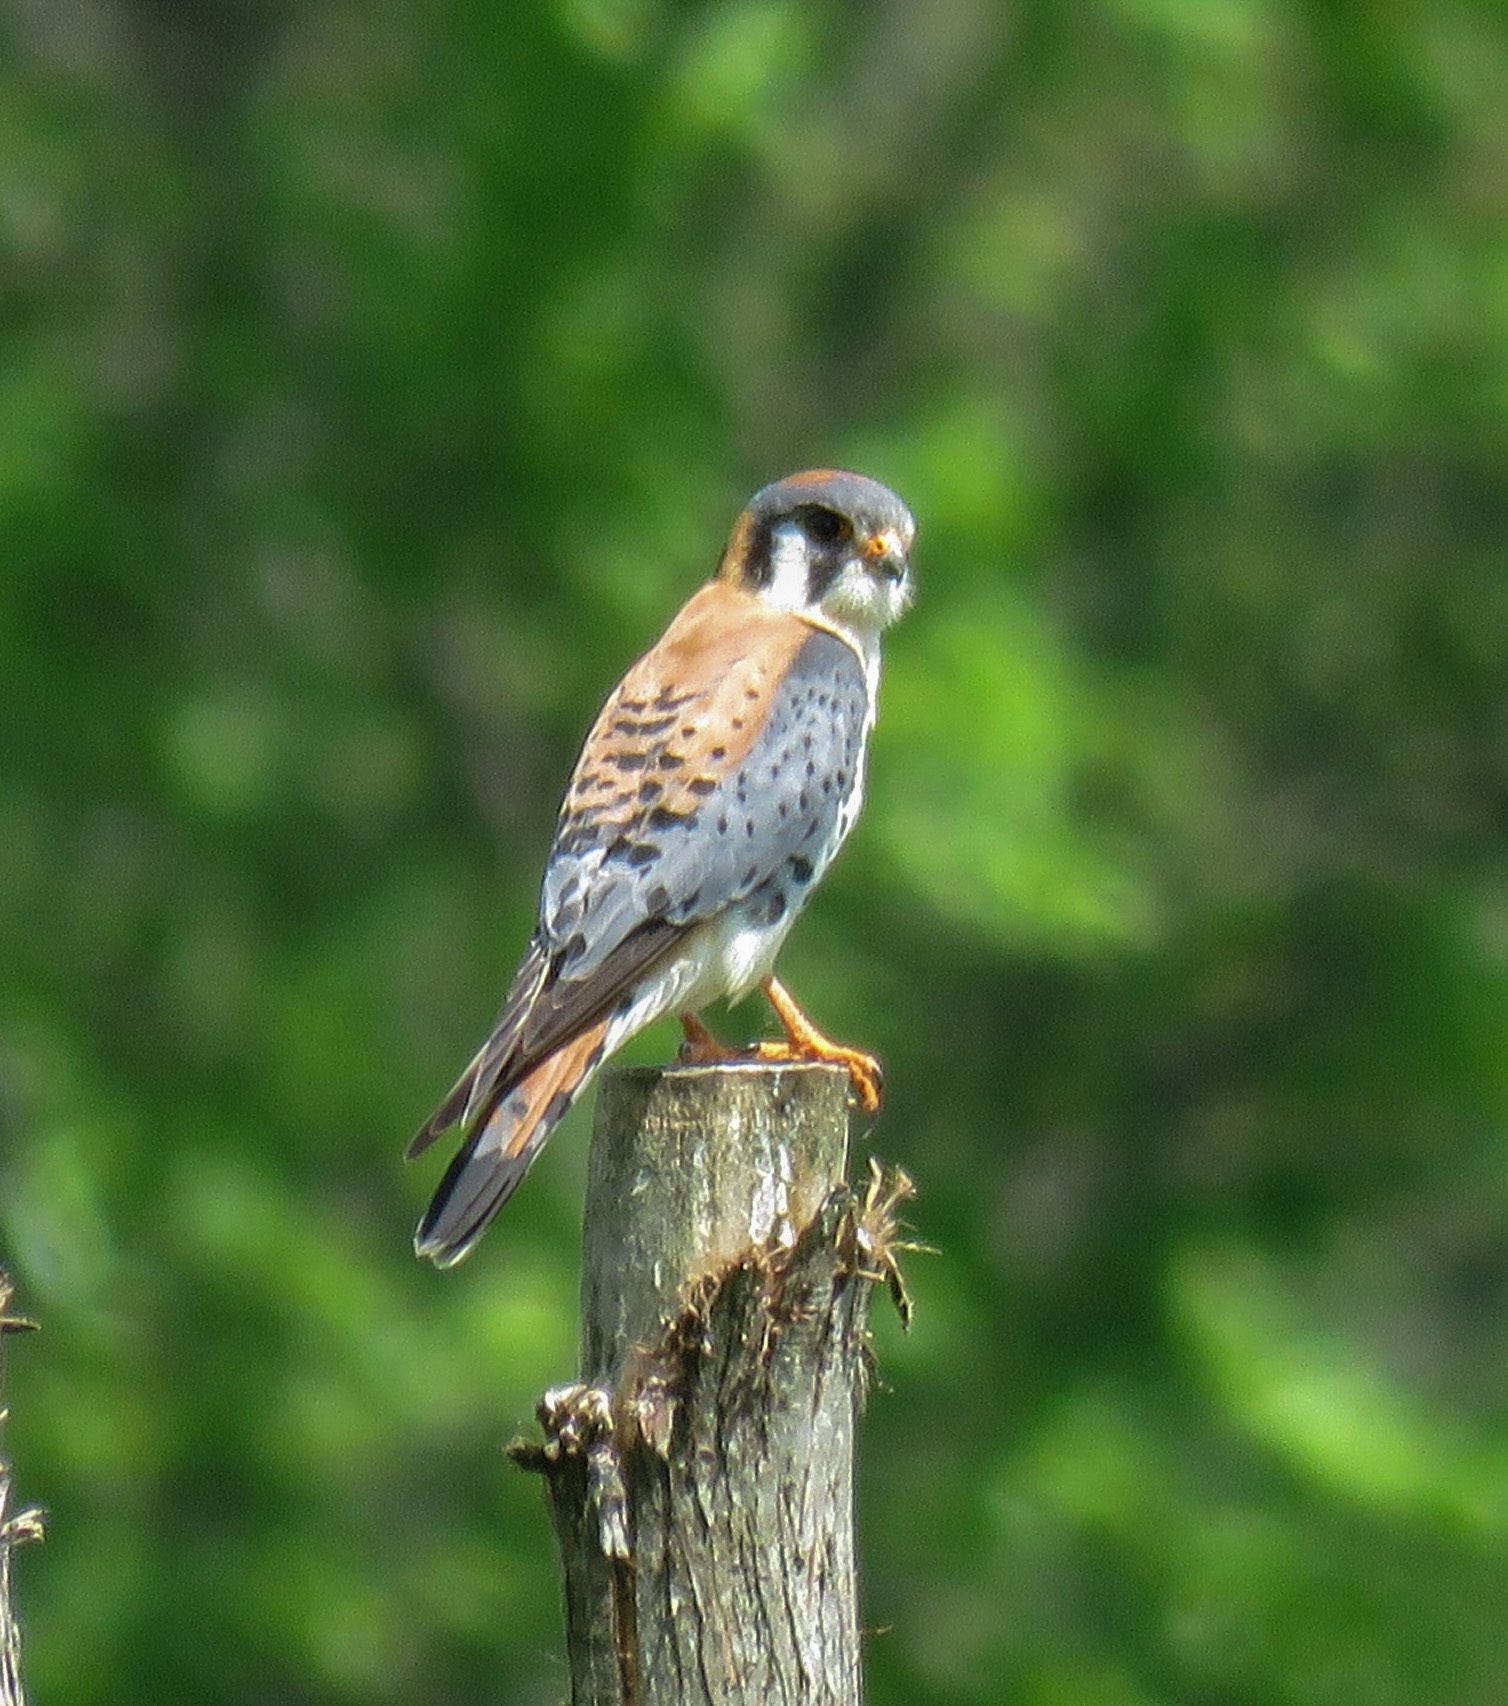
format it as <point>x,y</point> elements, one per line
<point>726,1285</point>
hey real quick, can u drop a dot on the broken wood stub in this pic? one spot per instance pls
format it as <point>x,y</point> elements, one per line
<point>701,1475</point>
<point>16,1527</point>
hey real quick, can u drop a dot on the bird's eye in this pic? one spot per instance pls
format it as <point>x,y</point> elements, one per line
<point>824,526</point>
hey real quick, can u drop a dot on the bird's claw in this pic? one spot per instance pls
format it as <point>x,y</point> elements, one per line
<point>703,1047</point>
<point>865,1073</point>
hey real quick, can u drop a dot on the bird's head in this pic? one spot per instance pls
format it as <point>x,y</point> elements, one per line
<point>827,544</point>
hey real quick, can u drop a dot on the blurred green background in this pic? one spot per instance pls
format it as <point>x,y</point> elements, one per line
<point>376,381</point>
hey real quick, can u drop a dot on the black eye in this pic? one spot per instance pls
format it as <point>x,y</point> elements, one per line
<point>824,526</point>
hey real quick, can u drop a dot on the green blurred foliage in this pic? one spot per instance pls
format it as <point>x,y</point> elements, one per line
<point>376,381</point>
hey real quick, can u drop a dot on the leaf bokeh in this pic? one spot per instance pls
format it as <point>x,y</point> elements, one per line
<point>375,382</point>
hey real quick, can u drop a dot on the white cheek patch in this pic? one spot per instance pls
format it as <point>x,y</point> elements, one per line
<point>790,572</point>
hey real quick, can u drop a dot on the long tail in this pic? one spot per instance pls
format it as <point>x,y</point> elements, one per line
<point>493,1160</point>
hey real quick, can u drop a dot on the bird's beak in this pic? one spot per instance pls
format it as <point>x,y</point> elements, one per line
<point>887,553</point>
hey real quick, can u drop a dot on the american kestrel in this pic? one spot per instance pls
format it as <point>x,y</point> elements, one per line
<point>723,774</point>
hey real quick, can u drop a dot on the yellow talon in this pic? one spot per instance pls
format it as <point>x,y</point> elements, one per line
<point>702,1047</point>
<point>803,1041</point>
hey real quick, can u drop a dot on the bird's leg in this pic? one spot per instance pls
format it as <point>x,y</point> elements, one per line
<point>701,1047</point>
<point>803,1041</point>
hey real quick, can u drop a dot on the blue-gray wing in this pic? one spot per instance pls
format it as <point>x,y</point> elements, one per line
<point>741,794</point>
<point>725,769</point>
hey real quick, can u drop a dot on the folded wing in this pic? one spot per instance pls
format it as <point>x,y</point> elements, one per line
<point>720,772</point>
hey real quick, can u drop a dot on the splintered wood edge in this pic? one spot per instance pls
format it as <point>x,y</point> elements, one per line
<point>855,1230</point>
<point>690,1166</point>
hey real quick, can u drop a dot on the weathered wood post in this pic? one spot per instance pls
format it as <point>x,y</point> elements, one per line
<point>14,1529</point>
<point>700,1476</point>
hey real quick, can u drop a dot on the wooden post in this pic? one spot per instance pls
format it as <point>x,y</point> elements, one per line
<point>700,1476</point>
<point>24,1525</point>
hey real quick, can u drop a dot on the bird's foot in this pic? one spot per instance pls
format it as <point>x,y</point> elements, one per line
<point>864,1071</point>
<point>803,1041</point>
<point>702,1047</point>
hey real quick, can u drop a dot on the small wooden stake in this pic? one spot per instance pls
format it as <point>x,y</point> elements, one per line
<point>14,1529</point>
